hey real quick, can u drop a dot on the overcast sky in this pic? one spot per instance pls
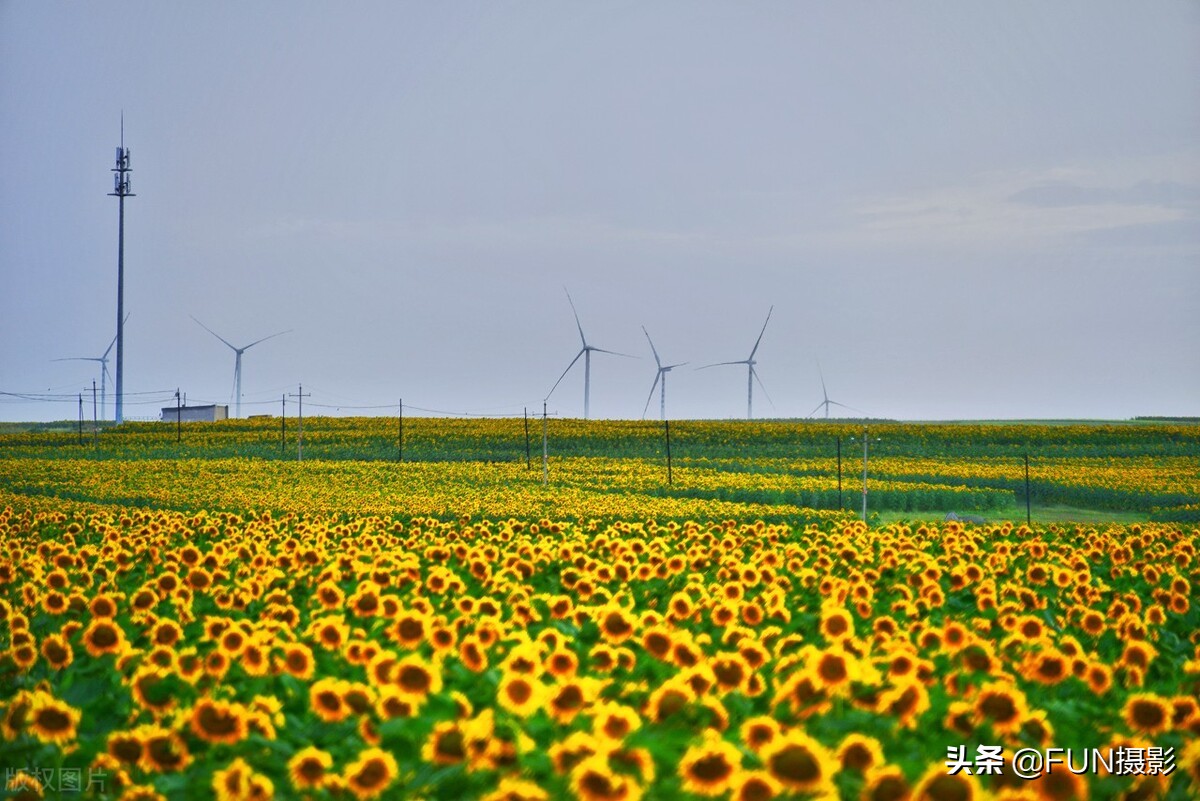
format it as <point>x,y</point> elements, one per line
<point>960,209</point>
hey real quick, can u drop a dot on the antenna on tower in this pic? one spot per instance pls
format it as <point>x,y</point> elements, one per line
<point>122,188</point>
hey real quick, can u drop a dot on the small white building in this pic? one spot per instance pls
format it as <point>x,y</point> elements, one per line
<point>195,414</point>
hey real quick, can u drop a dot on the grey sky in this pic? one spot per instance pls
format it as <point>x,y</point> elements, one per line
<point>963,210</point>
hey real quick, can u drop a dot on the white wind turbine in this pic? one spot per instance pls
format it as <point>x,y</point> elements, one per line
<point>827,402</point>
<point>103,359</point>
<point>586,353</point>
<point>751,373</point>
<point>237,363</point>
<point>660,375</point>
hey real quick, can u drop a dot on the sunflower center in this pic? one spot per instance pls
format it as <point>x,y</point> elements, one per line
<point>450,745</point>
<point>948,788</point>
<point>832,669</point>
<point>164,753</point>
<point>519,692</point>
<point>217,721</point>
<point>1051,668</point>
<point>571,697</point>
<point>671,703</point>
<point>414,679</point>
<point>311,769</point>
<point>616,728</point>
<point>755,790</point>
<point>617,625</point>
<point>711,769</point>
<point>52,720</point>
<point>373,774</point>
<point>598,785</point>
<point>1148,715</point>
<point>126,750</point>
<point>890,788</point>
<point>999,708</point>
<point>104,637</point>
<point>857,757</point>
<point>794,763</point>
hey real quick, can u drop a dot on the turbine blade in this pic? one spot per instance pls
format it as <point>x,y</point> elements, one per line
<point>613,352</point>
<point>214,333</point>
<point>114,339</point>
<point>760,333</point>
<point>657,360</point>
<point>720,364</point>
<point>820,373</point>
<point>814,411</point>
<point>650,397</point>
<point>77,359</point>
<point>264,339</point>
<point>754,373</point>
<point>564,373</point>
<point>844,406</point>
<point>576,313</point>
<point>673,366</point>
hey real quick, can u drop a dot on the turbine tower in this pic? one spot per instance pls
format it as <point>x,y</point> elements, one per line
<point>660,375</point>
<point>751,373</point>
<point>586,353</point>
<point>237,362</point>
<point>103,359</point>
<point>827,402</point>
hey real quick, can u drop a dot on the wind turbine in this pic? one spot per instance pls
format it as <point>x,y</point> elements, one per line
<point>751,373</point>
<point>586,353</point>
<point>827,402</point>
<point>103,370</point>
<point>661,374</point>
<point>237,363</point>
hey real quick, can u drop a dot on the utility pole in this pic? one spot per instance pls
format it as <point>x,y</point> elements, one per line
<point>839,451</point>
<point>528,461</point>
<point>667,424</point>
<point>178,419</point>
<point>300,419</point>
<point>1028,512</point>
<point>400,435</point>
<point>545,449</point>
<point>865,441</point>
<point>94,412</point>
<point>80,418</point>
<point>121,190</point>
<point>282,423</point>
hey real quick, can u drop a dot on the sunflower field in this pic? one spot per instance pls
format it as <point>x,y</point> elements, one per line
<point>213,625</point>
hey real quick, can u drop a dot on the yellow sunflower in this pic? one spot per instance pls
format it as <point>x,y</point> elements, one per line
<point>859,753</point>
<point>593,780</point>
<point>936,784</point>
<point>308,767</point>
<point>709,767</point>
<point>371,774</point>
<point>520,694</point>
<point>51,720</point>
<point>104,636</point>
<point>1002,706</point>
<point>800,763</point>
<point>218,721</point>
<point>415,678</point>
<point>1146,713</point>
